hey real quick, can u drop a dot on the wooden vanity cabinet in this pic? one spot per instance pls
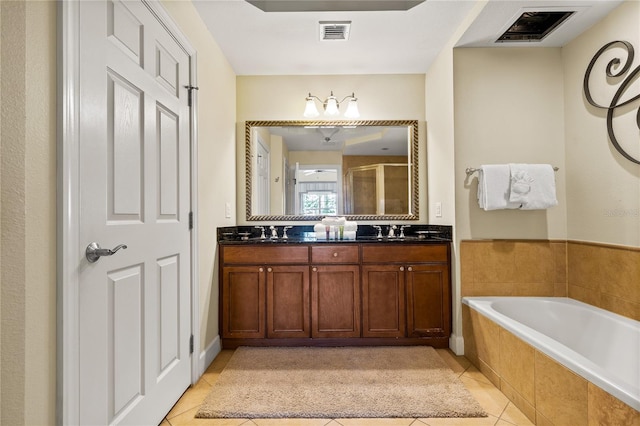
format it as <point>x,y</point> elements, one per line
<point>406,281</point>
<point>288,301</point>
<point>335,291</point>
<point>428,301</point>
<point>243,302</point>
<point>264,292</point>
<point>383,300</point>
<point>335,294</point>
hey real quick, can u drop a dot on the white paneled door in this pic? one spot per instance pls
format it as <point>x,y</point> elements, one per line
<point>134,173</point>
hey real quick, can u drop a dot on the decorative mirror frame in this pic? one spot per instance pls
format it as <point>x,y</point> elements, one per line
<point>413,166</point>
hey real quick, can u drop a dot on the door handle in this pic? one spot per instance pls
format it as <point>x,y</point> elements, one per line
<point>94,252</point>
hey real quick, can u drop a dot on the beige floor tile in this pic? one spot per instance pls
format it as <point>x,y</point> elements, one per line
<point>375,422</point>
<point>475,421</point>
<point>192,398</point>
<point>457,363</point>
<point>488,396</point>
<point>221,360</point>
<point>291,422</point>
<point>514,416</point>
<point>188,419</point>
<point>165,422</point>
<point>473,373</point>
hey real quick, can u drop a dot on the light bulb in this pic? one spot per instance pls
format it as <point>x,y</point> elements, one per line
<point>310,109</point>
<point>331,107</point>
<point>352,109</point>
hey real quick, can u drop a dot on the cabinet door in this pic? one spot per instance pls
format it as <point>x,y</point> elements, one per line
<point>288,301</point>
<point>243,301</point>
<point>428,301</point>
<point>383,301</point>
<point>335,301</point>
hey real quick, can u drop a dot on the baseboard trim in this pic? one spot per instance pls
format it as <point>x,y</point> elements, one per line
<point>456,344</point>
<point>208,355</point>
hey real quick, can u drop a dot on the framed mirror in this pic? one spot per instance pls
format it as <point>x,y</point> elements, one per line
<point>306,170</point>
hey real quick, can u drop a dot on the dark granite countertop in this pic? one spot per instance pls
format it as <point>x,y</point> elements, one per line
<point>304,234</point>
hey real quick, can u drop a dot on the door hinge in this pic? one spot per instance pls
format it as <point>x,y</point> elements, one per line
<point>190,90</point>
<point>190,221</point>
<point>191,344</point>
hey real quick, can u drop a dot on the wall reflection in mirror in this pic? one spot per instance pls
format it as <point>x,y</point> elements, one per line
<point>305,170</point>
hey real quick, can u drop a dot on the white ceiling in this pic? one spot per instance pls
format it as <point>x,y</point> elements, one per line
<point>360,140</point>
<point>380,42</point>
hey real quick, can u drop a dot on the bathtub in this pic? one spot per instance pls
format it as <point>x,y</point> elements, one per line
<point>600,346</point>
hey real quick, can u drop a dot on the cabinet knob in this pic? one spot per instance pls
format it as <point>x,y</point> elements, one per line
<point>269,269</point>
<point>314,269</point>
<point>402,268</point>
<point>335,254</point>
<point>409,269</point>
<point>260,269</point>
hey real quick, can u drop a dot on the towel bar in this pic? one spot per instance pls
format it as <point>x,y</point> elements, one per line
<point>471,170</point>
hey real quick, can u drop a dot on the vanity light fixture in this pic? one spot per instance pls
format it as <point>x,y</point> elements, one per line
<point>331,106</point>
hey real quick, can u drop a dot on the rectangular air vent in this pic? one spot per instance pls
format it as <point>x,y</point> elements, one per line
<point>334,30</point>
<point>533,26</point>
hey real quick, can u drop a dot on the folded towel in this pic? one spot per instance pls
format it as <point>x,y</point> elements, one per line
<point>333,221</point>
<point>493,187</point>
<point>319,227</point>
<point>533,186</point>
<point>350,226</point>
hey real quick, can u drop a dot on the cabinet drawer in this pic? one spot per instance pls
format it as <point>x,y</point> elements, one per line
<point>251,254</point>
<point>334,254</point>
<point>401,253</point>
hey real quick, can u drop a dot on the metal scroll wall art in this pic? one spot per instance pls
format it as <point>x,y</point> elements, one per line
<point>615,71</point>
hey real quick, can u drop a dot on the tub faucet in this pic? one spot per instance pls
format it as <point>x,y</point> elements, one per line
<point>392,231</point>
<point>261,228</point>
<point>274,232</point>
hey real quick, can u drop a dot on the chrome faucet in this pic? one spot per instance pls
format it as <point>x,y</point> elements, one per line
<point>284,231</point>
<point>402,230</point>
<point>392,231</point>
<point>274,232</point>
<point>261,228</point>
<point>379,228</point>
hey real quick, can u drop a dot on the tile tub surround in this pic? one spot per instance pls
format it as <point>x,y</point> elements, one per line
<point>605,276</point>
<point>545,391</point>
<point>513,268</point>
<point>602,275</point>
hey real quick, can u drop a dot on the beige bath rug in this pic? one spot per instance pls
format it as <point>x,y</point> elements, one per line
<point>342,382</point>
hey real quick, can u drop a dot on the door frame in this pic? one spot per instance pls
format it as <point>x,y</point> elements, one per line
<point>68,205</point>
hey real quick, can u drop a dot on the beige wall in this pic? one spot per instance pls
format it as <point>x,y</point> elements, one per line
<point>439,110</point>
<point>508,109</point>
<point>28,228</point>
<point>603,188</point>
<point>380,97</point>
<point>216,155</point>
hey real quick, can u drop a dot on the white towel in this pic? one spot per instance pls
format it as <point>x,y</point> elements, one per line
<point>333,221</point>
<point>533,186</point>
<point>348,226</point>
<point>493,187</point>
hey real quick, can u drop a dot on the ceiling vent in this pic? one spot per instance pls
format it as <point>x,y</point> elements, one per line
<point>533,26</point>
<point>334,30</point>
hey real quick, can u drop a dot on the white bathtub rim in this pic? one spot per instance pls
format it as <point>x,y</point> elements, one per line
<point>586,368</point>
